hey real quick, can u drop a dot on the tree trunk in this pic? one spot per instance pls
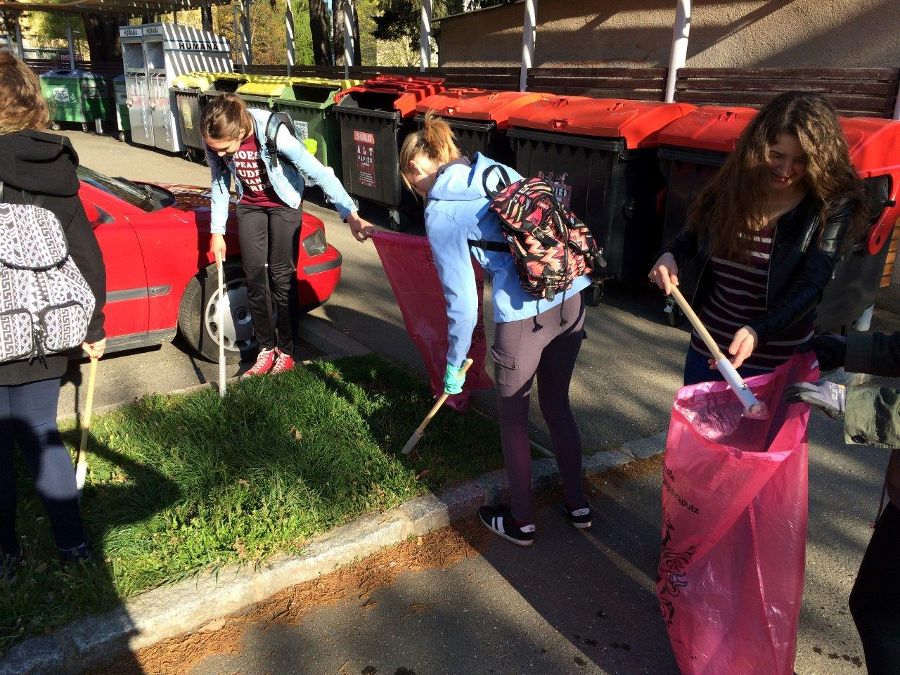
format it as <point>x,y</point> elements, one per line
<point>357,53</point>
<point>337,31</point>
<point>102,34</point>
<point>318,26</point>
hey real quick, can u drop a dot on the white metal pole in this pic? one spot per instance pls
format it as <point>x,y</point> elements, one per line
<point>425,36</point>
<point>18,29</point>
<point>529,33</point>
<point>71,40</point>
<point>289,35</point>
<point>348,36</point>
<point>680,34</point>
<point>246,46</point>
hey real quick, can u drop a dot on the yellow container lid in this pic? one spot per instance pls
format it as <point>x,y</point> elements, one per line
<point>201,81</point>
<point>271,89</point>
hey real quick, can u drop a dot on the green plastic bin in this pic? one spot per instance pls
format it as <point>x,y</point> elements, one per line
<point>187,91</point>
<point>310,106</point>
<point>74,96</point>
<point>262,92</point>
<point>222,83</point>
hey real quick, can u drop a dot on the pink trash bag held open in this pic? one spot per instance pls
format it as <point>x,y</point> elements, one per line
<point>734,498</point>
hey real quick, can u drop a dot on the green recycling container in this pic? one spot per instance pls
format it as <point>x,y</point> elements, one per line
<point>74,96</point>
<point>123,121</point>
<point>262,92</point>
<point>310,106</point>
<point>187,91</point>
<point>222,83</point>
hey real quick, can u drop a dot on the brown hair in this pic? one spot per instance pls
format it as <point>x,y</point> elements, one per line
<point>224,117</point>
<point>21,104</point>
<point>732,203</point>
<point>435,140</point>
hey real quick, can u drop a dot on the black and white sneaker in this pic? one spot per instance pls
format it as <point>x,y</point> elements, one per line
<point>580,518</point>
<point>499,520</point>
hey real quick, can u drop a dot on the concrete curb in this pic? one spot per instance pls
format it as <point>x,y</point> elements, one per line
<point>187,606</point>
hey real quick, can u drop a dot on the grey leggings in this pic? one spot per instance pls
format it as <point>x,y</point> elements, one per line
<point>522,349</point>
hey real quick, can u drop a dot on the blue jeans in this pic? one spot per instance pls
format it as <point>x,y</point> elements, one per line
<point>696,369</point>
<point>28,419</point>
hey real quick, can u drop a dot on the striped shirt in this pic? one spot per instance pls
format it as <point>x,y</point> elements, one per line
<point>738,297</point>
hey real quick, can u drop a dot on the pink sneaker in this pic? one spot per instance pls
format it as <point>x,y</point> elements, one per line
<point>283,363</point>
<point>264,363</point>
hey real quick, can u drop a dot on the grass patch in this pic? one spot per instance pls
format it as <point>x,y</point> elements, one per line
<point>180,484</point>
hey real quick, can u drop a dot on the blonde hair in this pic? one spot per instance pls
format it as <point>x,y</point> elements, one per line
<point>435,140</point>
<point>21,104</point>
<point>224,117</point>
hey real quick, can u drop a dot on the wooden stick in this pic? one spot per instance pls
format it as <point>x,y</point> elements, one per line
<point>417,434</point>
<point>696,323</point>
<point>81,464</point>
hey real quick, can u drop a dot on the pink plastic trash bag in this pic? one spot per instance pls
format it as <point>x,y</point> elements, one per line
<point>409,267</point>
<point>734,500</point>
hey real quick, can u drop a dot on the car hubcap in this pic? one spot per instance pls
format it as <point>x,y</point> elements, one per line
<point>237,328</point>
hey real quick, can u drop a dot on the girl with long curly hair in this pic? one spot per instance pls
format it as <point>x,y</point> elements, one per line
<point>766,233</point>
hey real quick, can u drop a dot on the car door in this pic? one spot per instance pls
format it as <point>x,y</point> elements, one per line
<point>127,292</point>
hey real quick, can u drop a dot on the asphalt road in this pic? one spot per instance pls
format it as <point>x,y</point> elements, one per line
<point>627,373</point>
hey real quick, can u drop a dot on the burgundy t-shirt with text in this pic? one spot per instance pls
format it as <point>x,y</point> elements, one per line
<point>251,171</point>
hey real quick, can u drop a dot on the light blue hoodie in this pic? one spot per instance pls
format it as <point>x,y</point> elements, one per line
<point>457,211</point>
<point>288,178</point>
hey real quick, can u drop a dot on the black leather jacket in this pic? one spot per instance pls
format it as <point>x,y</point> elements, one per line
<point>801,264</point>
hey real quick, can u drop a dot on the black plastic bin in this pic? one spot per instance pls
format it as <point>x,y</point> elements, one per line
<point>374,118</point>
<point>600,154</point>
<point>479,118</point>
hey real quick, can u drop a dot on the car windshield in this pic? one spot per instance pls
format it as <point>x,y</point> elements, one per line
<point>141,195</point>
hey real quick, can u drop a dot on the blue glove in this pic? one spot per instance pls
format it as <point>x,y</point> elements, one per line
<point>453,379</point>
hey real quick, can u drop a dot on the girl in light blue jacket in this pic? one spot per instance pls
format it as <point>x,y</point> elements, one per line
<point>269,194</point>
<point>532,338</point>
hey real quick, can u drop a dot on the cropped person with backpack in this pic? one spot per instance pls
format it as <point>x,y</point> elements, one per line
<point>48,305</point>
<point>248,145</point>
<point>534,336</point>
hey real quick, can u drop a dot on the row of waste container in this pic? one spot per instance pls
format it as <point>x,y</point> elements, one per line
<point>629,169</point>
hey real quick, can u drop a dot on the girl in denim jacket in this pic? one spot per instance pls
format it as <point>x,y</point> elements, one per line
<point>269,196</point>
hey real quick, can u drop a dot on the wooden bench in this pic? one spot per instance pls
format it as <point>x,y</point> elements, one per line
<point>643,84</point>
<point>870,92</point>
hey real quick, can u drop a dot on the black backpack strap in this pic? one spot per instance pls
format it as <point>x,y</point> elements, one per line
<point>504,179</point>
<point>487,245</point>
<point>272,125</point>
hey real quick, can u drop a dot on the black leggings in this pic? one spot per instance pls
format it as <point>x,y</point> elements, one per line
<point>269,240</point>
<point>875,599</point>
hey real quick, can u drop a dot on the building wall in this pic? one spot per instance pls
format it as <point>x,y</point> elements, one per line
<point>740,33</point>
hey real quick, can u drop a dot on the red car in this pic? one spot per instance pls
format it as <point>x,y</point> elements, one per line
<point>161,278</point>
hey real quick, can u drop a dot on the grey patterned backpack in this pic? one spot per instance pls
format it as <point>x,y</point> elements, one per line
<point>45,302</point>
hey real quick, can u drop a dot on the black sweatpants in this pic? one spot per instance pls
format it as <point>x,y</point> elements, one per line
<point>269,240</point>
<point>875,599</point>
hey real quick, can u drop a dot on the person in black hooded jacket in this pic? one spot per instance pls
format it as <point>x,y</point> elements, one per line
<point>35,165</point>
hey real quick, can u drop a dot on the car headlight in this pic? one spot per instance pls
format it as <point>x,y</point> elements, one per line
<point>315,243</point>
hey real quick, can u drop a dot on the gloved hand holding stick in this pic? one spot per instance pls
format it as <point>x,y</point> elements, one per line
<point>753,407</point>
<point>417,434</point>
